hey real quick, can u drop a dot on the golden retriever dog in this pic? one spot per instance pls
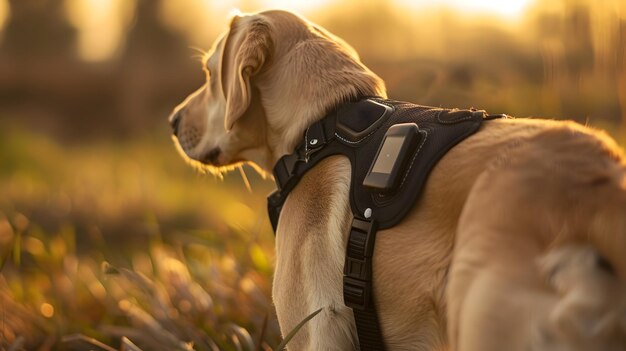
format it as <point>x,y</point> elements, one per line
<point>518,241</point>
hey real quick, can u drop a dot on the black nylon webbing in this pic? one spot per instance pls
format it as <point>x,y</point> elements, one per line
<point>358,292</point>
<point>368,330</point>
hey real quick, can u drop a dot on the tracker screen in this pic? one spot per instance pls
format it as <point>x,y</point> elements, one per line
<point>388,154</point>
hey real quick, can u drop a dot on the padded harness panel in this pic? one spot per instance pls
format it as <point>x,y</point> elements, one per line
<point>356,130</point>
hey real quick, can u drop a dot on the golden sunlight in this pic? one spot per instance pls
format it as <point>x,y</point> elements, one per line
<point>508,8</point>
<point>297,6</point>
<point>100,24</point>
<point>199,20</point>
<point>202,20</point>
<point>5,11</point>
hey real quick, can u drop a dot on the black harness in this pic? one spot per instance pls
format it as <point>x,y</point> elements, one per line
<point>357,130</point>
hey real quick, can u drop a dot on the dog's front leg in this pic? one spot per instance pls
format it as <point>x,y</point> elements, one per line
<point>310,252</point>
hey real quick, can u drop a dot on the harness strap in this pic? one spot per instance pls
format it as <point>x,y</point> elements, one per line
<point>290,168</point>
<point>357,283</point>
<point>368,330</point>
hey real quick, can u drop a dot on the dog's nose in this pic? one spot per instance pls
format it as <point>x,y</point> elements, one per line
<point>212,156</point>
<point>175,121</point>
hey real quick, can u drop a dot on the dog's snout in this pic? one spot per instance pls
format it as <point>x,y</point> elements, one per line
<point>175,121</point>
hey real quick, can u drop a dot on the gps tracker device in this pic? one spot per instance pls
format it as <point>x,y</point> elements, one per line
<point>397,147</point>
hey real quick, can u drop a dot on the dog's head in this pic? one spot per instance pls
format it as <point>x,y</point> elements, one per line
<point>267,77</point>
<point>222,123</point>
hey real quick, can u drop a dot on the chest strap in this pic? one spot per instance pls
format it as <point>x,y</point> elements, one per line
<point>358,285</point>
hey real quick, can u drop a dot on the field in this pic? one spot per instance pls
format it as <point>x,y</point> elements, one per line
<point>123,239</point>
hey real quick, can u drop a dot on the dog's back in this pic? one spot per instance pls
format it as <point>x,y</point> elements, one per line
<point>539,260</point>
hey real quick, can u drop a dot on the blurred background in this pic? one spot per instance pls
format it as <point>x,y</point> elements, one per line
<point>107,238</point>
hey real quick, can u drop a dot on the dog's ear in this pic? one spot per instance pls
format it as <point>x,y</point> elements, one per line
<point>247,48</point>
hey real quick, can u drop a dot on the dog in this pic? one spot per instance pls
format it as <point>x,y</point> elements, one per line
<point>517,242</point>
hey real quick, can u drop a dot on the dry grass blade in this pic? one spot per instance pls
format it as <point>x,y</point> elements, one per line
<point>82,342</point>
<point>109,269</point>
<point>139,280</point>
<point>144,319</point>
<point>128,345</point>
<point>146,339</point>
<point>259,345</point>
<point>245,179</point>
<point>129,332</point>
<point>242,335</point>
<point>295,330</point>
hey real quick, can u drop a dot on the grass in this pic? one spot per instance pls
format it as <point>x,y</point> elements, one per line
<point>119,245</point>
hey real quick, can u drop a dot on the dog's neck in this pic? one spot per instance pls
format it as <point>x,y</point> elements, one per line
<point>298,89</point>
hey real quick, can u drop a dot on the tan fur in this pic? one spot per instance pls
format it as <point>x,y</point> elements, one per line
<point>501,251</point>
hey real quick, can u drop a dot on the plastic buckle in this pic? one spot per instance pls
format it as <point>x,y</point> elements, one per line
<point>281,172</point>
<point>286,167</point>
<point>356,293</point>
<point>314,139</point>
<point>357,270</point>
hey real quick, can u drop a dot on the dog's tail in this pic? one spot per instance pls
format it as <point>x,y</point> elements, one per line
<point>589,312</point>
